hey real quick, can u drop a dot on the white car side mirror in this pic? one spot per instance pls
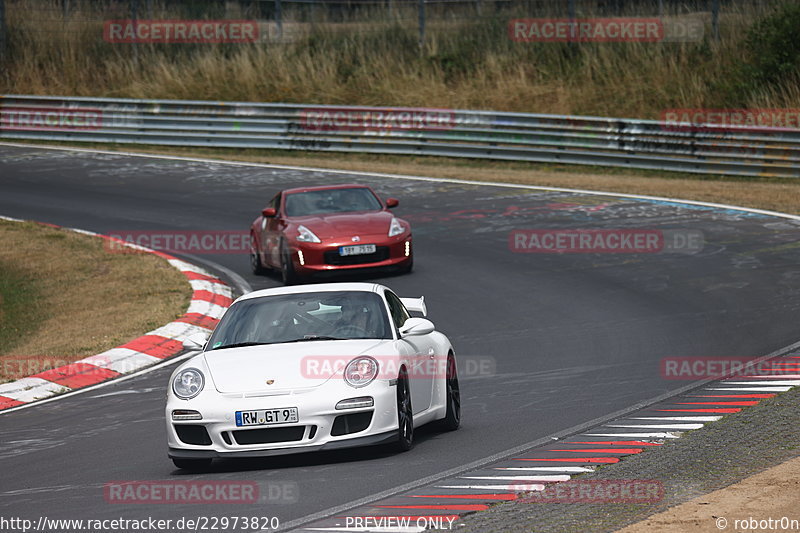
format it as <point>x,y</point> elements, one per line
<point>195,341</point>
<point>417,326</point>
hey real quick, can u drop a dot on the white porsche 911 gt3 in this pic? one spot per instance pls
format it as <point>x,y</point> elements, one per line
<point>312,367</point>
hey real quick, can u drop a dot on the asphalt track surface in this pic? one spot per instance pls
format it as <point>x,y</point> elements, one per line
<point>572,337</point>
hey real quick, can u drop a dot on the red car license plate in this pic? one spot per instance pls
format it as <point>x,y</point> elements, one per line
<point>358,249</point>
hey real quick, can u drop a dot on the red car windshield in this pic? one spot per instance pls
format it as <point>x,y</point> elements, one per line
<point>331,201</point>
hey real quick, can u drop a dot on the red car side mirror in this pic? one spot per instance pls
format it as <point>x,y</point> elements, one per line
<point>269,212</point>
<point>392,202</point>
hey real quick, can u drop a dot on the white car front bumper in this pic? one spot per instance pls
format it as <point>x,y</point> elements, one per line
<point>216,434</point>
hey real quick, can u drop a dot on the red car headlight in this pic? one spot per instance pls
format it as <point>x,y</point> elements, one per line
<point>306,235</point>
<point>395,228</point>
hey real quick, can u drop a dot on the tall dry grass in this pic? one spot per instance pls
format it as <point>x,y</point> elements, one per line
<point>372,60</point>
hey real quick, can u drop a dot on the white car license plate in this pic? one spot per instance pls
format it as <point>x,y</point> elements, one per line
<point>266,417</point>
<point>358,249</point>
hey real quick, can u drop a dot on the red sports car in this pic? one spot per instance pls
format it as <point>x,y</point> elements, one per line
<point>309,230</point>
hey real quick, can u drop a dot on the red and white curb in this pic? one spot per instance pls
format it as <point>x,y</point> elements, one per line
<point>210,297</point>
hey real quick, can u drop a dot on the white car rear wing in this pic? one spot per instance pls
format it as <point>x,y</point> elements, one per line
<point>415,304</point>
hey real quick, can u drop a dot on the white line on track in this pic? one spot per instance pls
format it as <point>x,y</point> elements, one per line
<point>789,382</point>
<point>653,435</point>
<point>775,376</point>
<point>749,389</point>
<point>679,418</point>
<point>238,281</point>
<point>519,487</point>
<point>573,469</point>
<point>655,426</point>
<point>531,478</point>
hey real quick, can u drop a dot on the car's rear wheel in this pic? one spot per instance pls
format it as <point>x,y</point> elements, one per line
<point>405,415</point>
<point>287,266</point>
<point>255,259</point>
<point>192,464</point>
<point>452,419</point>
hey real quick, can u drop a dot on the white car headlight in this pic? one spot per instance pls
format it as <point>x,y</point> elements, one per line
<point>361,371</point>
<point>395,228</point>
<point>188,383</point>
<point>306,235</point>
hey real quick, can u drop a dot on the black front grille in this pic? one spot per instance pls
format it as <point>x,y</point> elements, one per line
<point>333,258</point>
<point>353,423</point>
<point>193,434</point>
<point>269,435</point>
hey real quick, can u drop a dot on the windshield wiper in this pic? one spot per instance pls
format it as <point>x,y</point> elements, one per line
<point>240,344</point>
<point>317,338</point>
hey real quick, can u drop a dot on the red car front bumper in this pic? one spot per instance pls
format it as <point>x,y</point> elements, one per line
<point>310,258</point>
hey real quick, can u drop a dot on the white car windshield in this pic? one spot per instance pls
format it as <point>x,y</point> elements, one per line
<point>303,317</point>
<point>329,201</point>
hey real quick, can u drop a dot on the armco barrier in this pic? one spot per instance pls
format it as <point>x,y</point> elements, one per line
<point>616,142</point>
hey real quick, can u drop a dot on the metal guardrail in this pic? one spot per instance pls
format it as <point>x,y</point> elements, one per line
<point>614,142</point>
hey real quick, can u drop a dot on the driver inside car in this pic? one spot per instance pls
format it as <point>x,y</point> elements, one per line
<point>353,321</point>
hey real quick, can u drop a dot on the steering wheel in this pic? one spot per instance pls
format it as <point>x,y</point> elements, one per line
<point>310,319</point>
<point>349,330</point>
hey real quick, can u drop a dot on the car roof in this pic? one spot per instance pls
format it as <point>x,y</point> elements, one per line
<point>316,287</point>
<point>325,188</point>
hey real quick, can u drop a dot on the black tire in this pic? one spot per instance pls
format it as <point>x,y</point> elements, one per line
<point>405,415</point>
<point>255,259</point>
<point>452,420</point>
<point>287,267</point>
<point>192,464</point>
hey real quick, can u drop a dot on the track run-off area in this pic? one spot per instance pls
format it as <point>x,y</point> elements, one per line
<point>546,341</point>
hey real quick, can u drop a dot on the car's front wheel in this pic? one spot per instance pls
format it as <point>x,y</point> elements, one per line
<point>405,414</point>
<point>288,274</point>
<point>192,464</point>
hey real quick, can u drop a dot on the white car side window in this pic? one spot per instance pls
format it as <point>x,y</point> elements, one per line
<point>398,310</point>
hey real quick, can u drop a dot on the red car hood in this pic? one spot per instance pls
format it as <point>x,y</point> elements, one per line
<point>347,224</point>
